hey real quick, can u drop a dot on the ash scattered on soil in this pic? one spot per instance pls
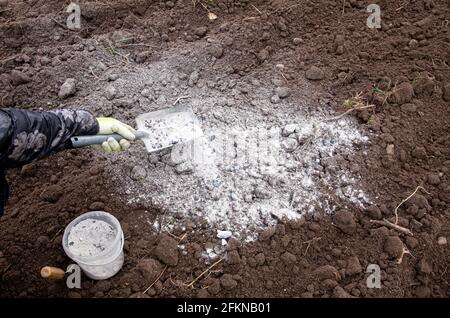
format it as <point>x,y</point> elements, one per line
<point>272,67</point>
<point>250,169</point>
<point>168,129</point>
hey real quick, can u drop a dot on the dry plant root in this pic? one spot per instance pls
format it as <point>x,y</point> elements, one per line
<point>159,276</point>
<point>354,103</point>
<point>309,243</point>
<point>203,273</point>
<point>395,225</point>
<point>405,251</point>
<point>409,197</point>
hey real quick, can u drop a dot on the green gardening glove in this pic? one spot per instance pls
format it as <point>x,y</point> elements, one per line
<point>109,126</point>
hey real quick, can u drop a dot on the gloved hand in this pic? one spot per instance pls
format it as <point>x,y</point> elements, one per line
<point>109,126</point>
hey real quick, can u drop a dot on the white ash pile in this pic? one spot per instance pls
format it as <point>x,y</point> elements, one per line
<point>243,179</point>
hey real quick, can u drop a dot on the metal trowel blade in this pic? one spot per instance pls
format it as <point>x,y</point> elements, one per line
<point>168,127</point>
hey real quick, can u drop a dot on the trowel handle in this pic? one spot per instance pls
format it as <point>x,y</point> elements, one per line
<point>82,141</point>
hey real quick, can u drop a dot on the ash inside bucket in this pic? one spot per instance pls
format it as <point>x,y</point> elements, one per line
<point>90,237</point>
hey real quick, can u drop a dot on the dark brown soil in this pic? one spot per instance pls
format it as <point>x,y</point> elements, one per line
<point>402,68</point>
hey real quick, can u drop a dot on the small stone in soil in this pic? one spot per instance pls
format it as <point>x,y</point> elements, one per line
<point>442,240</point>
<point>345,222</point>
<point>288,258</point>
<point>138,173</point>
<point>228,282</point>
<point>282,91</point>
<point>216,50</point>
<point>184,168</point>
<point>393,247</point>
<point>67,89</point>
<point>18,78</point>
<point>374,212</point>
<point>408,108</point>
<point>110,92</point>
<point>353,266</point>
<point>201,31</point>
<point>314,74</point>
<point>402,94</point>
<point>193,78</point>
<point>113,77</point>
<point>289,130</point>
<point>434,179</point>
<point>289,144</point>
<point>297,41</point>
<point>149,268</point>
<point>340,292</point>
<point>419,152</point>
<point>223,234</point>
<point>167,250</point>
<point>327,272</point>
<point>424,266</point>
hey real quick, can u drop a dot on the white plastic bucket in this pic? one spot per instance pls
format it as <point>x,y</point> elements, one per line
<point>105,264</point>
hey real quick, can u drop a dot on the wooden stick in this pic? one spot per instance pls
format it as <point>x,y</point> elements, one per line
<point>393,226</point>
<point>159,276</point>
<point>53,273</point>
<point>204,272</point>
<point>256,9</point>
<point>137,44</point>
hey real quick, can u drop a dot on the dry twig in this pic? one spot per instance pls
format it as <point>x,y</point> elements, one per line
<point>256,9</point>
<point>404,251</point>
<point>56,235</point>
<point>393,226</point>
<point>92,72</point>
<point>403,201</point>
<point>180,98</point>
<point>203,273</point>
<point>309,243</point>
<point>159,276</point>
<point>179,239</point>
<point>349,111</point>
<point>137,44</point>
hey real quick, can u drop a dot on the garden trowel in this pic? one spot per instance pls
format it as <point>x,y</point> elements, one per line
<point>158,130</point>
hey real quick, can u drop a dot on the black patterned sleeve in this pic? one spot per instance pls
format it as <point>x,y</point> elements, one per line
<point>29,135</point>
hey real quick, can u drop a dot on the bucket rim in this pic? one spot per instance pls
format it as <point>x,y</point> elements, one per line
<point>92,260</point>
